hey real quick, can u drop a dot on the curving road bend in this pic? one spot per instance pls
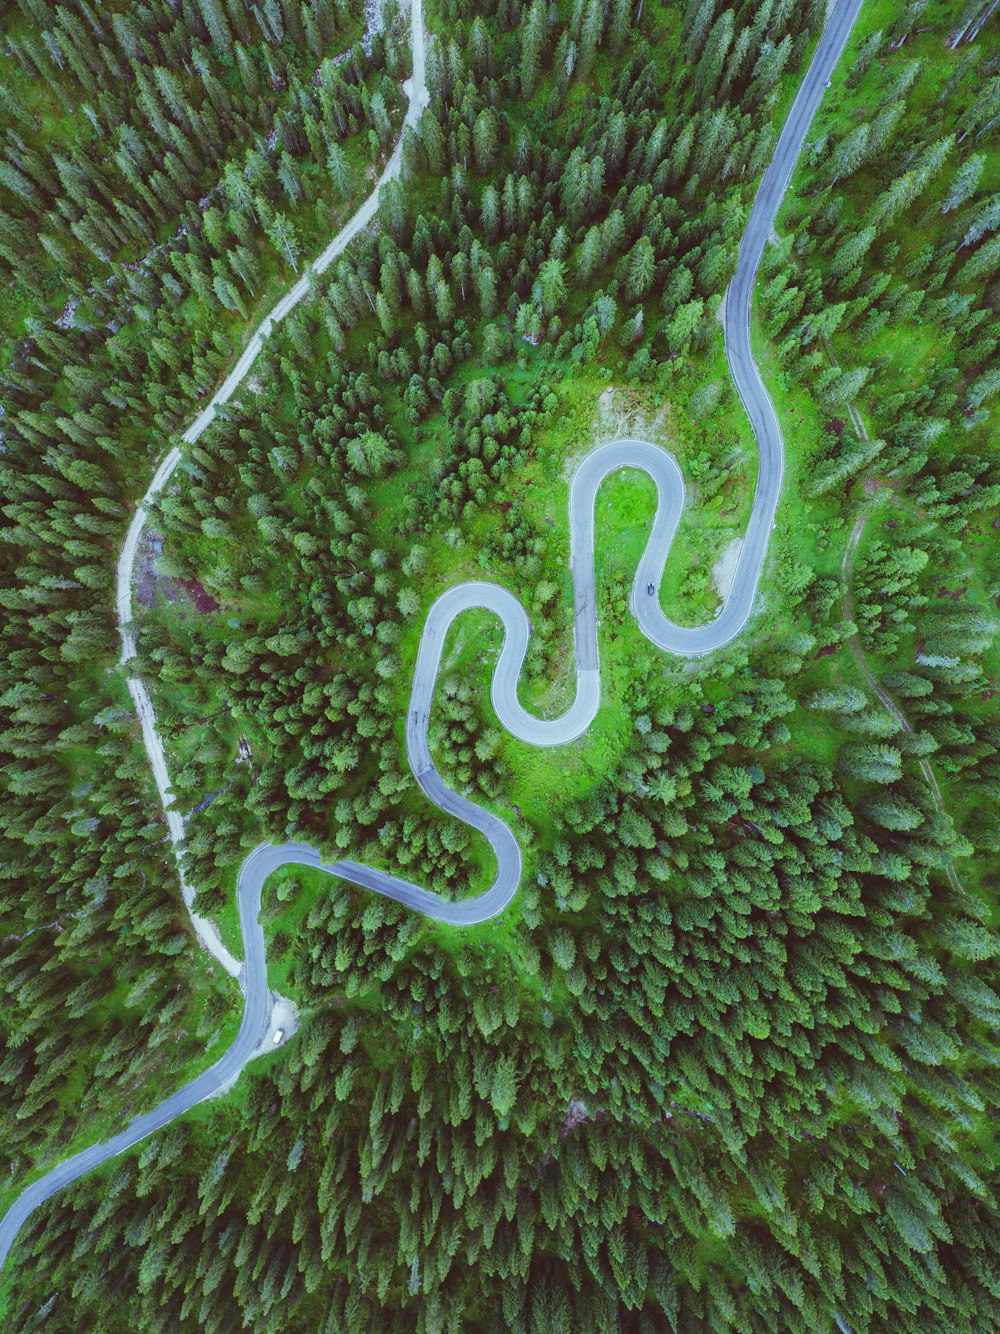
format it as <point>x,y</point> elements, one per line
<point>645,606</point>
<point>252,974</point>
<point>417,99</point>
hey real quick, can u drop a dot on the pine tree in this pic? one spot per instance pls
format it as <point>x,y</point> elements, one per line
<point>532,47</point>
<point>697,24</point>
<point>485,140</point>
<point>640,268</point>
<point>849,155</point>
<point>867,53</point>
<point>708,71</point>
<point>281,233</point>
<point>552,285</point>
<point>851,252</point>
<point>964,183</point>
<point>217,24</point>
<point>369,455</point>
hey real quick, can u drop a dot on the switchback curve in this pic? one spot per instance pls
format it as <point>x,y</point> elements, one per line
<point>672,638</point>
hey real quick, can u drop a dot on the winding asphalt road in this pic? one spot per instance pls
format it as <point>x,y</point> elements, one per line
<point>645,606</point>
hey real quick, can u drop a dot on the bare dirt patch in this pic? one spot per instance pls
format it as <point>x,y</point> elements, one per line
<point>724,569</point>
<point>150,583</point>
<point>620,411</point>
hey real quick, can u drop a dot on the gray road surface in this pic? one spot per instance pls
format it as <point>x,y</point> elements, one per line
<point>654,624</point>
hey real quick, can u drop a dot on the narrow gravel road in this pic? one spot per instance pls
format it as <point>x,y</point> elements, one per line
<point>417,99</point>
<point>654,624</point>
<point>252,974</point>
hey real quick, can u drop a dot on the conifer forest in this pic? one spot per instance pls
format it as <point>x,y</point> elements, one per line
<point>350,986</point>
